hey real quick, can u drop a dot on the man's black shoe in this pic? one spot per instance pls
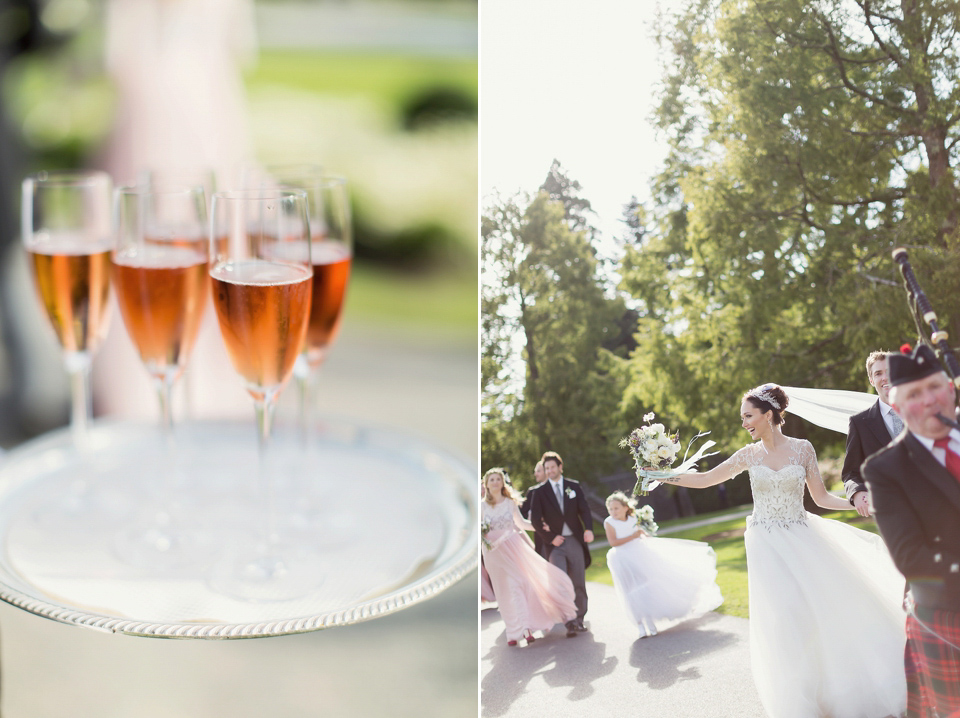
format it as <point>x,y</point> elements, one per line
<point>571,628</point>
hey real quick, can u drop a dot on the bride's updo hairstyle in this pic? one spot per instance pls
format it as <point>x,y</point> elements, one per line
<point>507,491</point>
<point>769,397</point>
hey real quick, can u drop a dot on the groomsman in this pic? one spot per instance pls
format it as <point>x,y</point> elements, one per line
<point>560,505</point>
<point>869,431</point>
<point>914,484</point>
<point>539,476</point>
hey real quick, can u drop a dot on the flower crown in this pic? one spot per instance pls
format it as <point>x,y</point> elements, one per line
<point>763,394</point>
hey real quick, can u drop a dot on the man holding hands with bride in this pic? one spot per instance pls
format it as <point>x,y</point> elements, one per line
<point>560,505</point>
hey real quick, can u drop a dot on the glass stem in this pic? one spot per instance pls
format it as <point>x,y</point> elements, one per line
<point>81,409</point>
<point>264,408</point>
<point>301,372</point>
<point>164,393</point>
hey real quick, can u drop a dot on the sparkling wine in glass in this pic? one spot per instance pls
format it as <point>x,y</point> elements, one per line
<point>66,231</point>
<point>261,276</point>
<point>332,255</point>
<point>161,279</point>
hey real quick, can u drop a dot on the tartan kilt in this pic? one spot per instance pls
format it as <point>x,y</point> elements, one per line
<point>932,665</point>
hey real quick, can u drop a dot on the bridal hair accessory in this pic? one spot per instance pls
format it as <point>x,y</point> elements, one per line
<point>654,451</point>
<point>763,394</point>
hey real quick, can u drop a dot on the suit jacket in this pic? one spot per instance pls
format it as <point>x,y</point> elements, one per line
<point>867,435</point>
<point>917,504</point>
<point>525,512</point>
<point>576,514</point>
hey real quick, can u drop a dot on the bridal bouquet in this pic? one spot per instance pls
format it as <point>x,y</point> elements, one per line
<point>654,451</point>
<point>645,520</point>
<point>484,530</point>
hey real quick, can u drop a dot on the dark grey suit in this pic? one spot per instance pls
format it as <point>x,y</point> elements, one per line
<point>572,555</point>
<point>866,435</point>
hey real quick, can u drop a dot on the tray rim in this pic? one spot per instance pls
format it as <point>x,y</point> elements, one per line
<point>451,571</point>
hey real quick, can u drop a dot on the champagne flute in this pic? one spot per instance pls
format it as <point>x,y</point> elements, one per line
<point>332,255</point>
<point>261,279</point>
<point>161,279</point>
<point>66,230</point>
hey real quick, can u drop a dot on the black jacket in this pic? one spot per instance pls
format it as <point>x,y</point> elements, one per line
<point>917,504</point>
<point>576,514</point>
<point>867,435</point>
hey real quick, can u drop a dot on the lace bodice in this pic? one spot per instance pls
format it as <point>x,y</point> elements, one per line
<point>778,492</point>
<point>500,516</point>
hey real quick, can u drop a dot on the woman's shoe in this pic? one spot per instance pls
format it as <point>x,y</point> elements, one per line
<point>528,637</point>
<point>511,643</point>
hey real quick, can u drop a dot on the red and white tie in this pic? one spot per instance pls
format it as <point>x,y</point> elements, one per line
<point>953,459</point>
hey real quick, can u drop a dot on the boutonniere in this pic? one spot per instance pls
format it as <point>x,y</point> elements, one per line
<point>570,493</point>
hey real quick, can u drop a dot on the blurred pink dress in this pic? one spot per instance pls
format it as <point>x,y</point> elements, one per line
<point>531,593</point>
<point>487,594</point>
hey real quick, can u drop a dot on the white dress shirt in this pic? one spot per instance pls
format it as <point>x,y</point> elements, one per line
<point>938,453</point>
<point>886,411</point>
<point>553,487</point>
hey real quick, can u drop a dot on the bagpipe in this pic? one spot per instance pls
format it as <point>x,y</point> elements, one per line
<point>922,313</point>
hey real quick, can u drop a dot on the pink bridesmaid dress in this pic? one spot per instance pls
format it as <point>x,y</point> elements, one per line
<point>532,594</point>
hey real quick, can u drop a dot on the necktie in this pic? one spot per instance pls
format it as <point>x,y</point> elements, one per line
<point>953,460</point>
<point>556,490</point>
<point>897,423</point>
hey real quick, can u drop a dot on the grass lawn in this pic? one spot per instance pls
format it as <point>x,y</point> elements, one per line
<point>387,77</point>
<point>441,300</point>
<point>446,304</point>
<point>726,538</point>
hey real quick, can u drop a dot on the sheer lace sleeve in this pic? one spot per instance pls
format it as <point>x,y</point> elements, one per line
<point>740,461</point>
<point>518,519</point>
<point>807,457</point>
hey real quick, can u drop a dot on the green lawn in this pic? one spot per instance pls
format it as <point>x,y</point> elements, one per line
<point>389,79</point>
<point>726,538</point>
<point>447,304</point>
<point>438,297</point>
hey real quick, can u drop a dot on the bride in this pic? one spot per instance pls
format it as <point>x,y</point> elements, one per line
<point>826,621</point>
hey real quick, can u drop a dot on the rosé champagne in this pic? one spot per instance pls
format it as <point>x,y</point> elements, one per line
<point>263,307</point>
<point>72,278</point>
<point>331,261</point>
<point>331,271</point>
<point>162,292</point>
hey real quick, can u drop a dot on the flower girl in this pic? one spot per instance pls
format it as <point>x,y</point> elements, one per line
<point>660,581</point>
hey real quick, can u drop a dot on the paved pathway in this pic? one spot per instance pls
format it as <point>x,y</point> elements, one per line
<point>699,669</point>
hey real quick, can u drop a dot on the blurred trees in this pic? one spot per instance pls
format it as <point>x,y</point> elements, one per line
<point>547,380</point>
<point>806,141</point>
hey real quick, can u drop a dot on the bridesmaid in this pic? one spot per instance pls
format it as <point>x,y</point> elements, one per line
<point>532,594</point>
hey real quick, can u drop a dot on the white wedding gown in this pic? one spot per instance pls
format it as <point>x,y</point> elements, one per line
<point>662,581</point>
<point>826,619</point>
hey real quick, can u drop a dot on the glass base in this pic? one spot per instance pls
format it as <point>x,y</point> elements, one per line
<point>162,546</point>
<point>279,572</point>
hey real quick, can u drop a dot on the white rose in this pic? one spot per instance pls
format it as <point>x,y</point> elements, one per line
<point>663,452</point>
<point>657,428</point>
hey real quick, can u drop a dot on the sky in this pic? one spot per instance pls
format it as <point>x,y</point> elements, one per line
<point>574,81</point>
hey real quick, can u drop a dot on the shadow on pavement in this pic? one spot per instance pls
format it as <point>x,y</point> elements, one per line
<point>561,661</point>
<point>660,659</point>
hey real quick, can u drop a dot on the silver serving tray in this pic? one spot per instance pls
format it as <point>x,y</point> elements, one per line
<point>387,521</point>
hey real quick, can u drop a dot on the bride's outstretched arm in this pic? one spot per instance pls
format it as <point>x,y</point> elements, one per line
<point>717,475</point>
<point>818,492</point>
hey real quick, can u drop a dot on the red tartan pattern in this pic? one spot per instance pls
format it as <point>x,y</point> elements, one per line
<point>933,666</point>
